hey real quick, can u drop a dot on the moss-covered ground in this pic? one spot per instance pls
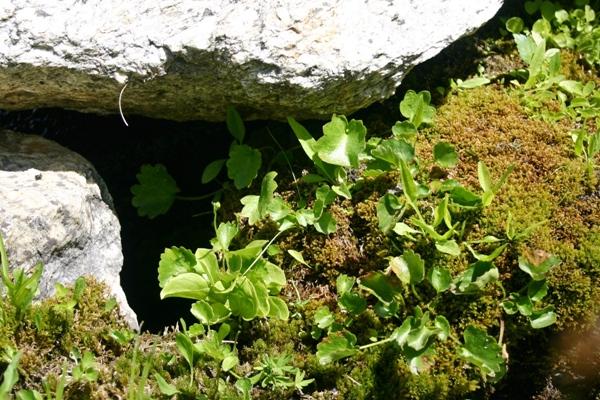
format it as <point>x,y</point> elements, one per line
<point>550,189</point>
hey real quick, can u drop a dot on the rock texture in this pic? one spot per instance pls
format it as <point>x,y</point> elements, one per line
<point>189,59</point>
<point>55,208</point>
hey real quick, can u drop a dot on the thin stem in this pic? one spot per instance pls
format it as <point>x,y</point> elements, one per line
<point>258,257</point>
<point>377,343</point>
<point>414,291</point>
<point>196,198</point>
<point>287,160</point>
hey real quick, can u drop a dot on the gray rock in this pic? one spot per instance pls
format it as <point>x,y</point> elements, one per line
<point>55,208</point>
<point>189,59</point>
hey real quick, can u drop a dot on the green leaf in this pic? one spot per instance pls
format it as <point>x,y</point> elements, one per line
<point>10,376</point>
<point>342,142</point>
<point>250,209</point>
<point>189,285</point>
<point>542,318</point>
<point>404,230</point>
<point>323,317</point>
<point>387,208</point>
<point>211,171</point>
<point>326,224</point>
<point>209,314</point>
<point>164,387</point>
<point>278,308</point>
<point>175,261</point>
<point>243,165</point>
<point>441,213</point>
<point>526,46</point>
<point>510,307</point>
<point>400,334</point>
<point>443,327</point>
<point>335,347</point>
<point>380,286</point>
<point>485,181</point>
<point>243,300</point>
<point>235,125</point>
<point>404,130</point>
<point>464,198</point>
<point>393,150</point>
<point>267,188</point>
<point>207,264</point>
<point>308,143</point>
<point>409,267</point>
<point>418,337</point>
<point>229,362</point>
<point>538,271</point>
<point>186,348</point>
<point>439,278</point>
<point>472,83</point>
<point>415,107</point>
<point>477,276</point>
<point>487,258</point>
<point>524,305</point>
<point>481,350</point>
<point>445,155</point>
<point>155,192</point>
<point>28,395</point>
<point>297,255</point>
<point>344,283</point>
<point>572,87</point>
<point>226,232</point>
<point>515,25</point>
<point>537,290</point>
<point>448,247</point>
<point>352,302</point>
<point>409,185</point>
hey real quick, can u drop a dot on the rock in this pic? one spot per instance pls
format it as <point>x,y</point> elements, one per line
<point>189,59</point>
<point>55,208</point>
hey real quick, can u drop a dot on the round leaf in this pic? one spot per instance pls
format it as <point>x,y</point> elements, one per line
<point>189,285</point>
<point>445,155</point>
<point>515,25</point>
<point>440,279</point>
<point>243,165</point>
<point>155,192</point>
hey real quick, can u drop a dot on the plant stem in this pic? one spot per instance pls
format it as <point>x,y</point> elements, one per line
<point>377,343</point>
<point>258,257</point>
<point>197,198</point>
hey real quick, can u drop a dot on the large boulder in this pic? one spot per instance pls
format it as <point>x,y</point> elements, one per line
<point>54,208</point>
<point>189,59</point>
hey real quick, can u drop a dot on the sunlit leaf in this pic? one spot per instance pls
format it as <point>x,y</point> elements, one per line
<point>409,267</point>
<point>439,278</point>
<point>175,261</point>
<point>342,142</point>
<point>543,318</point>
<point>445,155</point>
<point>335,347</point>
<point>188,285</point>
<point>481,350</point>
